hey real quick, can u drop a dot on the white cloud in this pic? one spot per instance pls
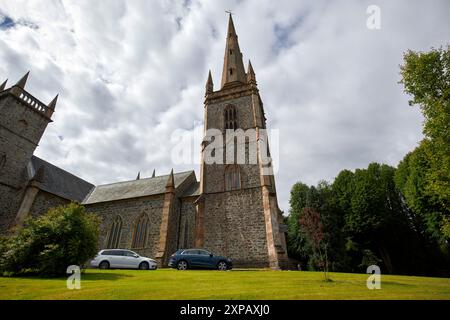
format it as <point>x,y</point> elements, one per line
<point>129,73</point>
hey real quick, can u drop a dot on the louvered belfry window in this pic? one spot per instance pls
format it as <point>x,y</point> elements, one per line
<point>230,117</point>
<point>140,232</point>
<point>114,233</point>
<point>232,178</point>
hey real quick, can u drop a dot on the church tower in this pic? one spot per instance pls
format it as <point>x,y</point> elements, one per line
<point>237,211</point>
<point>23,120</point>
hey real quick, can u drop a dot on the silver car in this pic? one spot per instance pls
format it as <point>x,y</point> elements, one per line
<point>122,259</point>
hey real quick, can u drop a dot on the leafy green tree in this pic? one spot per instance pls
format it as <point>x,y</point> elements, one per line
<point>48,244</point>
<point>426,77</point>
<point>296,240</point>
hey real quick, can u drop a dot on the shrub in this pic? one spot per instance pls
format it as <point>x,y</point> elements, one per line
<point>48,244</point>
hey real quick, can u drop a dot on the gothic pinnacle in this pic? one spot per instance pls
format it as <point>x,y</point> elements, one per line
<point>3,85</point>
<point>171,180</point>
<point>154,173</point>
<point>251,77</point>
<point>22,82</point>
<point>209,84</point>
<point>52,104</point>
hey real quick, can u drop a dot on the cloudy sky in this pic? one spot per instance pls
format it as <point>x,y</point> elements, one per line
<point>130,73</point>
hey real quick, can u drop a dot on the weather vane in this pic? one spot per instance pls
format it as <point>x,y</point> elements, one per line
<point>229,11</point>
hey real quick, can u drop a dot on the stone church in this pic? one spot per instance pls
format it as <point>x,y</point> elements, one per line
<point>231,211</point>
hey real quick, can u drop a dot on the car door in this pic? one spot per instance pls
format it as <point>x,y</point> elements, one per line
<point>192,257</point>
<point>114,258</point>
<point>205,259</point>
<point>130,260</point>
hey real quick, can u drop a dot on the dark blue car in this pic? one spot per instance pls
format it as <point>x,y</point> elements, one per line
<point>198,258</point>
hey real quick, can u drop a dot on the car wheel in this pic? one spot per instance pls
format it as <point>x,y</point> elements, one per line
<point>182,265</point>
<point>104,265</point>
<point>222,265</point>
<point>144,266</point>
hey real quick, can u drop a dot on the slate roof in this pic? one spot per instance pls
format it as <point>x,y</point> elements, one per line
<point>134,189</point>
<point>58,181</point>
<point>193,190</point>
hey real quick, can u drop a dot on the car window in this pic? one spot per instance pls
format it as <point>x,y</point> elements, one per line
<point>204,252</point>
<point>106,253</point>
<point>190,252</point>
<point>129,253</point>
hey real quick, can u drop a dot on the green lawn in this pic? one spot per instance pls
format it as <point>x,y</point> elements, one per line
<point>236,284</point>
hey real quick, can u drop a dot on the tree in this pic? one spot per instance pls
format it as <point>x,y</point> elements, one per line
<point>426,77</point>
<point>48,244</point>
<point>311,221</point>
<point>423,176</point>
<point>297,242</point>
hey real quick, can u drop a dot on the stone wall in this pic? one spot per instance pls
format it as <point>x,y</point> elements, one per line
<point>234,227</point>
<point>21,128</point>
<point>44,201</point>
<point>9,206</point>
<point>187,223</point>
<point>130,210</point>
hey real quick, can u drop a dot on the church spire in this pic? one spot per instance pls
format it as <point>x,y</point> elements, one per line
<point>233,66</point>
<point>154,172</point>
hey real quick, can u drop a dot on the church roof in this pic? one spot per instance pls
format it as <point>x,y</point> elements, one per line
<point>58,181</point>
<point>134,189</point>
<point>193,190</point>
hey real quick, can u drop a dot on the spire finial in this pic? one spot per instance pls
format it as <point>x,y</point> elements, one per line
<point>233,67</point>
<point>209,84</point>
<point>22,82</point>
<point>171,180</point>
<point>3,85</point>
<point>52,104</point>
<point>138,176</point>
<point>251,77</point>
<point>154,173</point>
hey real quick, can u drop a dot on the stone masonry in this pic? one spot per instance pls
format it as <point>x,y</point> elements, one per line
<point>231,211</point>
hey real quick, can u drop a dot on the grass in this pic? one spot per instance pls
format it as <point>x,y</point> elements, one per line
<point>237,284</point>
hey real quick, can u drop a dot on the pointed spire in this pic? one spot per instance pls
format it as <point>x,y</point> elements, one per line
<point>170,181</point>
<point>3,85</point>
<point>22,82</point>
<point>52,104</point>
<point>209,84</point>
<point>233,66</point>
<point>154,173</point>
<point>51,107</point>
<point>138,176</point>
<point>251,77</point>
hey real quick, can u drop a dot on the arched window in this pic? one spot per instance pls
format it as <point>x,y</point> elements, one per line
<point>232,178</point>
<point>114,233</point>
<point>230,117</point>
<point>140,232</point>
